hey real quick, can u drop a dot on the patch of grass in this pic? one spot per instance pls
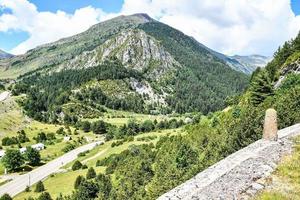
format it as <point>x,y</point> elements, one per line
<point>292,58</point>
<point>12,118</point>
<point>272,196</point>
<point>286,179</point>
<point>64,182</point>
<point>57,184</point>
<point>106,149</point>
<point>2,182</point>
<point>120,118</point>
<point>54,150</point>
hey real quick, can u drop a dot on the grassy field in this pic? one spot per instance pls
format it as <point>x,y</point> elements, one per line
<point>106,150</point>
<point>54,150</point>
<point>120,118</point>
<point>115,117</point>
<point>284,184</point>
<point>64,182</point>
<point>61,182</point>
<point>13,120</point>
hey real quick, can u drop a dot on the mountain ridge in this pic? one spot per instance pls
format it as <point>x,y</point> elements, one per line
<point>4,55</point>
<point>246,64</point>
<point>162,68</point>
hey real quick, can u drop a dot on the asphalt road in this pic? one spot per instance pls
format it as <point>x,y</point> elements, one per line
<point>19,184</point>
<point>4,95</point>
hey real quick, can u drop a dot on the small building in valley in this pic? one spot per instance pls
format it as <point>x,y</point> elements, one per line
<point>38,146</point>
<point>2,153</point>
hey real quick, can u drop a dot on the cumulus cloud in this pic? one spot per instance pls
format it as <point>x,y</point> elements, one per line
<point>45,27</point>
<point>229,26</point>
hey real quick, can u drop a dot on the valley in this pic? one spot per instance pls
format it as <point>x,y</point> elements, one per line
<point>131,108</point>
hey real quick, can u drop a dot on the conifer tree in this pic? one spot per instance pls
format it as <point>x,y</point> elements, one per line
<point>39,187</point>
<point>91,173</point>
<point>261,88</point>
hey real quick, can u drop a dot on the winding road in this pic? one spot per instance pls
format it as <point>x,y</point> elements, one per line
<point>20,183</point>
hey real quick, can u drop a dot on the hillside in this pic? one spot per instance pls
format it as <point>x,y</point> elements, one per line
<point>83,84</point>
<point>275,86</point>
<point>3,55</point>
<point>244,64</point>
<point>131,63</point>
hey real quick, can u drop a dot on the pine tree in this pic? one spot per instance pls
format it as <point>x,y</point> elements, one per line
<point>44,196</point>
<point>261,88</point>
<point>77,165</point>
<point>78,181</point>
<point>39,187</point>
<point>91,173</point>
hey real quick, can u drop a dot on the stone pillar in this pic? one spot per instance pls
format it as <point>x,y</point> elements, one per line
<point>270,125</point>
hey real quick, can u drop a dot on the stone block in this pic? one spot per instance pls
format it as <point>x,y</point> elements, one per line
<point>270,125</point>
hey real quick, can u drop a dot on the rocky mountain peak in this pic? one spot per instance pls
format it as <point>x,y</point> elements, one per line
<point>143,16</point>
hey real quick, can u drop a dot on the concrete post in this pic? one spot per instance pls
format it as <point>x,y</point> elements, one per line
<point>270,125</point>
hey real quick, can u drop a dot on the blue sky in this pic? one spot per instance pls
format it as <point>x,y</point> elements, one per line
<point>197,18</point>
<point>11,39</point>
<point>296,6</point>
<point>71,5</point>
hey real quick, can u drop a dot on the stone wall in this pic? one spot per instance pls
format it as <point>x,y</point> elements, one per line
<point>240,175</point>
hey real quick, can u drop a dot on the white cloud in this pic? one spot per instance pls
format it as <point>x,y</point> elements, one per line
<point>228,26</point>
<point>45,27</point>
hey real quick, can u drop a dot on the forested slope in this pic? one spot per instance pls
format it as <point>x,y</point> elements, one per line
<point>147,171</point>
<point>163,71</point>
<point>197,80</point>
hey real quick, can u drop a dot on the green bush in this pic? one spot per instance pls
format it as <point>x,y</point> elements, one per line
<point>77,165</point>
<point>39,187</point>
<point>84,166</point>
<point>69,147</point>
<point>5,197</point>
<point>90,173</point>
<point>27,189</point>
<point>78,181</point>
<point>83,153</point>
<point>44,196</point>
<point>117,143</point>
<point>33,156</point>
<point>12,159</point>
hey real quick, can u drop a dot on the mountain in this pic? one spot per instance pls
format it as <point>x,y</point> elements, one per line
<point>4,55</point>
<point>248,64</point>
<point>245,64</point>
<point>130,63</point>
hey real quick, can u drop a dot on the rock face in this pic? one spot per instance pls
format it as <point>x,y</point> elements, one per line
<point>270,125</point>
<point>138,51</point>
<point>240,175</point>
<point>293,68</point>
<point>248,64</point>
<point>135,49</point>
